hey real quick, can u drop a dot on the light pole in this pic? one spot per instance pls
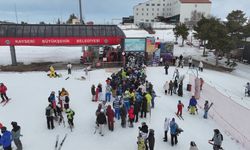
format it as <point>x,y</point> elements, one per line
<point>80,7</point>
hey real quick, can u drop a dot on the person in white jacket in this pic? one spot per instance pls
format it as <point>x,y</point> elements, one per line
<point>69,67</point>
<point>166,128</point>
<point>166,87</point>
<point>201,66</point>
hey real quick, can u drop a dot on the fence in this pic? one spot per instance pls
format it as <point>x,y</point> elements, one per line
<point>229,115</point>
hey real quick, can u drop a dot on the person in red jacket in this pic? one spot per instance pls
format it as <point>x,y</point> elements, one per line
<point>110,114</point>
<point>96,94</point>
<point>131,115</point>
<point>3,90</point>
<point>179,107</point>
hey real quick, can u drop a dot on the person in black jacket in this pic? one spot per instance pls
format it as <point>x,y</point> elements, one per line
<point>151,139</point>
<point>101,121</point>
<point>93,92</point>
<point>180,89</point>
<point>144,107</point>
<point>166,68</point>
<point>170,90</point>
<point>175,86</point>
<point>123,116</point>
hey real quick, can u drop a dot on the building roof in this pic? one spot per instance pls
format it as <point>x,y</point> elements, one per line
<point>195,1</point>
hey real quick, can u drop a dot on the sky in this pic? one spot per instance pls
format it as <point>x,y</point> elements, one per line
<point>99,11</point>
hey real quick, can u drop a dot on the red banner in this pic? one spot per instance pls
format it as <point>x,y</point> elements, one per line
<point>59,41</point>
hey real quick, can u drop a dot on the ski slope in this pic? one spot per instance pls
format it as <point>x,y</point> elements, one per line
<point>30,90</point>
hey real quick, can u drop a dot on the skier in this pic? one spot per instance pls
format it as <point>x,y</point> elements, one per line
<point>193,146</point>
<point>108,93</point>
<point>110,115</point>
<point>123,115</point>
<point>170,89</point>
<point>179,107</point>
<point>52,99</point>
<point>16,135</point>
<point>141,143</point>
<point>190,61</point>
<point>192,105</point>
<point>180,89</point>
<point>201,83</point>
<point>173,132</point>
<point>69,66</point>
<point>116,106</point>
<point>166,68</point>
<point>166,87</point>
<point>101,120</point>
<point>151,139</point>
<point>201,66</point>
<point>70,116</point>
<point>3,90</point>
<point>216,140</point>
<point>5,139</point>
<point>93,92</point>
<point>166,128</point>
<point>49,114</point>
<point>131,116</point>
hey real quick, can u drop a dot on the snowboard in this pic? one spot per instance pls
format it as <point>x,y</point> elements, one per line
<point>67,78</point>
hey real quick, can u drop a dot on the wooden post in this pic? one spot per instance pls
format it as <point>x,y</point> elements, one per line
<point>13,55</point>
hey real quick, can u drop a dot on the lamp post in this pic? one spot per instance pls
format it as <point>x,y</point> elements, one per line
<point>80,7</point>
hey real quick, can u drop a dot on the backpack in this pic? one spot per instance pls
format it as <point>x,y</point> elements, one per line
<point>67,99</point>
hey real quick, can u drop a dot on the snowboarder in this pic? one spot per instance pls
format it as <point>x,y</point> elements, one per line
<point>16,135</point>
<point>70,116</point>
<point>201,66</point>
<point>179,107</point>
<point>3,90</point>
<point>190,61</point>
<point>166,87</point>
<point>108,93</point>
<point>151,139</point>
<point>131,116</point>
<point>192,105</point>
<point>49,114</point>
<point>141,143</point>
<point>101,120</point>
<point>170,89</point>
<point>93,92</point>
<point>69,66</point>
<point>193,146</point>
<point>216,140</point>
<point>5,139</point>
<point>123,115</point>
<point>166,128</point>
<point>173,132</point>
<point>110,115</point>
<point>166,68</point>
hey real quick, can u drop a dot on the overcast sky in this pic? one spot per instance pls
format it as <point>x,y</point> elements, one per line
<point>100,11</point>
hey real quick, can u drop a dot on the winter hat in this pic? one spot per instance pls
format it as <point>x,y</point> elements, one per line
<point>13,123</point>
<point>3,129</point>
<point>192,143</point>
<point>173,119</point>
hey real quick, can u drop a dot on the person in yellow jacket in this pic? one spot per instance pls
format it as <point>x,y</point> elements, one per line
<point>141,143</point>
<point>52,72</point>
<point>124,74</point>
<point>148,98</point>
<point>132,96</point>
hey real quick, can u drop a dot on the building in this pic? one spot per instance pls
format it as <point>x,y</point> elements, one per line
<point>175,10</point>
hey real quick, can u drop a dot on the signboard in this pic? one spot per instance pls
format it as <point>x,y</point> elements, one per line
<point>54,41</point>
<point>167,47</point>
<point>135,44</point>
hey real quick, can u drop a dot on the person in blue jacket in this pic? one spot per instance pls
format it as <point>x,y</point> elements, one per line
<point>6,139</point>
<point>192,105</point>
<point>173,132</point>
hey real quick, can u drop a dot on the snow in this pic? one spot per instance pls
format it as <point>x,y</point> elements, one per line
<point>29,111</point>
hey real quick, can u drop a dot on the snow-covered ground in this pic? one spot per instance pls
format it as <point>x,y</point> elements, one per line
<point>29,92</point>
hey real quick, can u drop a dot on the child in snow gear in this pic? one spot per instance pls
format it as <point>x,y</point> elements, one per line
<point>3,90</point>
<point>192,105</point>
<point>179,107</point>
<point>69,66</point>
<point>151,139</point>
<point>110,115</point>
<point>193,146</point>
<point>131,115</point>
<point>16,135</point>
<point>5,139</point>
<point>217,140</point>
<point>70,116</point>
<point>173,132</point>
<point>141,143</point>
<point>49,114</point>
<point>93,92</point>
<point>101,120</point>
<point>166,128</point>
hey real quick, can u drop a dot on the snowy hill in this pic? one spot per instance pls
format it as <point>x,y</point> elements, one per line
<point>29,92</point>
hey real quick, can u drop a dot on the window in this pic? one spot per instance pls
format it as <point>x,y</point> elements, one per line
<point>56,31</point>
<point>19,31</point>
<point>163,9</point>
<point>163,4</point>
<point>152,20</point>
<point>142,9</point>
<point>48,31</point>
<point>142,14</point>
<point>157,14</point>
<point>153,9</point>
<point>137,14</point>
<point>152,4</point>
<point>41,30</point>
<point>152,14</point>
<point>69,31</point>
<point>158,4</point>
<point>76,31</point>
<point>147,4</point>
<point>83,30</point>
<point>157,9</point>
<point>11,31</point>
<point>146,20</point>
<point>33,31</point>
<point>137,9</point>
<point>147,14</point>
<point>147,9</point>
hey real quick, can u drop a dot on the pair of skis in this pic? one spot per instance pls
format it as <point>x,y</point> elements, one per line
<point>59,145</point>
<point>179,116</point>
<point>5,102</point>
